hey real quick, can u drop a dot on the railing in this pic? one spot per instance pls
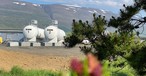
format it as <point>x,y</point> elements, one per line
<point>11,30</point>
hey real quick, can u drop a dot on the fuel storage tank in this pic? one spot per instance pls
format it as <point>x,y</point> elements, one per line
<point>53,34</point>
<point>32,32</point>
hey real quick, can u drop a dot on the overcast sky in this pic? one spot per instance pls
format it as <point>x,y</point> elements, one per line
<point>111,5</point>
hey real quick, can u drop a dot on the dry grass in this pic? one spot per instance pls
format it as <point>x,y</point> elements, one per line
<point>9,58</point>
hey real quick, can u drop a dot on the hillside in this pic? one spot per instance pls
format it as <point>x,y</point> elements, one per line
<point>17,14</point>
<point>66,13</point>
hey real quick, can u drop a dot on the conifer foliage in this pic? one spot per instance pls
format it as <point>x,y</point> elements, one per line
<point>110,46</point>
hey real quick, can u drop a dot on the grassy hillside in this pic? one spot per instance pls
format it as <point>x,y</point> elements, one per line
<point>19,20</point>
<point>17,16</point>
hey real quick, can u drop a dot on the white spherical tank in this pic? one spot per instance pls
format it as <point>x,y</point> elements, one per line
<point>60,35</point>
<point>51,32</point>
<point>30,31</point>
<point>40,33</point>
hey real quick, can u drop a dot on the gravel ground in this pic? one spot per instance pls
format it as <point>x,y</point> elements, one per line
<point>49,58</point>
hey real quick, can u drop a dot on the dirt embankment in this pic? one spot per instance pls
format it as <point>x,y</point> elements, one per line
<point>55,59</point>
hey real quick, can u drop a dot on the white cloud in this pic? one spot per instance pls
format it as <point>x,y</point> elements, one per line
<point>103,4</point>
<point>111,3</point>
<point>53,0</point>
<point>128,1</point>
<point>114,3</point>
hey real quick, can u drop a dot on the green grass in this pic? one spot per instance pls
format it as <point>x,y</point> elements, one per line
<point>16,71</point>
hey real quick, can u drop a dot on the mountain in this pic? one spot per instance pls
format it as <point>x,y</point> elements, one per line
<point>66,13</point>
<point>16,14</point>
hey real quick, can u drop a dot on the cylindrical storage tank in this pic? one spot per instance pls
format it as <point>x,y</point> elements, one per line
<point>40,33</point>
<point>51,32</point>
<point>30,31</point>
<point>61,34</point>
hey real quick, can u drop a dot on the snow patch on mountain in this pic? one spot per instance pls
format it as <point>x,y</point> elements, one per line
<point>36,5</point>
<point>75,11</point>
<point>94,11</point>
<point>67,8</point>
<point>23,4</point>
<point>103,10</point>
<point>16,2</point>
<point>72,6</point>
<point>72,9</point>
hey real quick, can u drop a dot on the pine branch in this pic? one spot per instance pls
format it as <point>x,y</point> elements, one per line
<point>123,22</point>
